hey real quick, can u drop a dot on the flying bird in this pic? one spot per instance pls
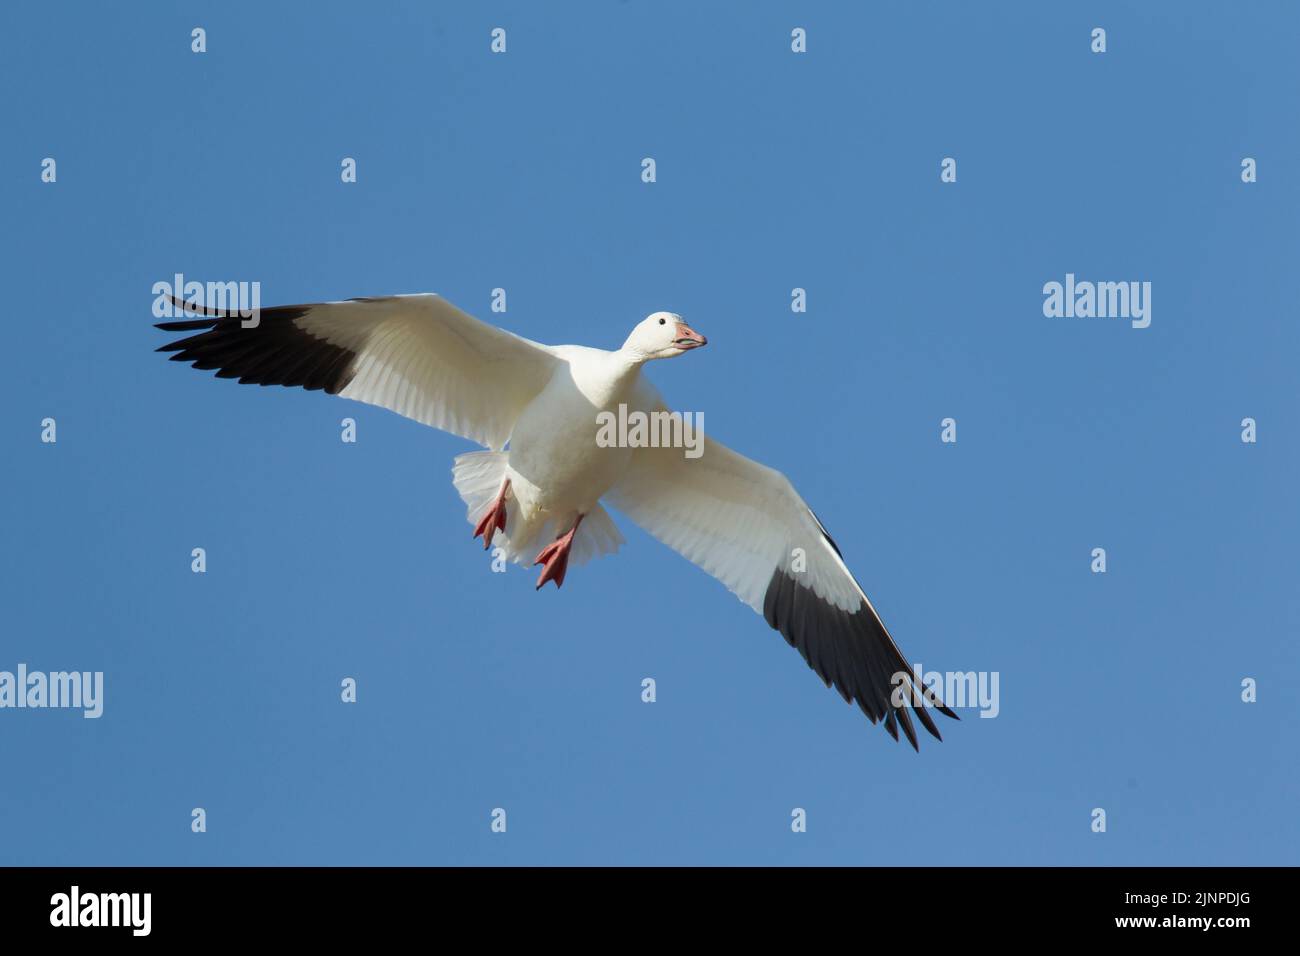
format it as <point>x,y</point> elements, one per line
<point>536,491</point>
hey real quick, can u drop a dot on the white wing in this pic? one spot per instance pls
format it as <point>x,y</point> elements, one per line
<point>417,355</point>
<point>746,525</point>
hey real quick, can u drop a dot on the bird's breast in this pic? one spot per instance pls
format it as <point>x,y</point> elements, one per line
<point>554,446</point>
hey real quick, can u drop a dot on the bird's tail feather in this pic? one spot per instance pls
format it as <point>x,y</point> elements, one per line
<point>478,475</point>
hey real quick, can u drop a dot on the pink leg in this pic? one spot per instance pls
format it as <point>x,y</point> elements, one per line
<point>556,557</point>
<point>495,518</point>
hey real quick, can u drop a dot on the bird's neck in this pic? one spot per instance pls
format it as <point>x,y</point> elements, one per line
<point>625,367</point>
<point>629,359</point>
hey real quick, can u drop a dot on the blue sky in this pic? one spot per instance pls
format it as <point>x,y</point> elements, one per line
<point>775,170</point>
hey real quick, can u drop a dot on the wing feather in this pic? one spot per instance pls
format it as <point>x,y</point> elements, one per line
<point>745,524</point>
<point>417,355</point>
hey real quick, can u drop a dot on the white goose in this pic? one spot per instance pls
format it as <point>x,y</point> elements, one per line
<point>540,499</point>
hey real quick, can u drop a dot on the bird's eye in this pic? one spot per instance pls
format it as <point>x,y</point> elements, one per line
<point>662,321</point>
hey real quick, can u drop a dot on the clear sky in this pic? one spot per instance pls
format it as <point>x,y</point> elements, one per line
<point>775,171</point>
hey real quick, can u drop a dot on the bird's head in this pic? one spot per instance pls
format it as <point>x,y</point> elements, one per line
<point>663,335</point>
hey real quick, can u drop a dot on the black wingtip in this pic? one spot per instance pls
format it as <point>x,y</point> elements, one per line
<point>905,719</point>
<point>941,707</point>
<point>927,722</point>
<point>194,308</point>
<point>891,725</point>
<point>188,325</point>
<point>932,700</point>
<point>852,652</point>
<point>275,351</point>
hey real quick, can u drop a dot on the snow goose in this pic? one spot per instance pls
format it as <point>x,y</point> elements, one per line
<point>539,500</point>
